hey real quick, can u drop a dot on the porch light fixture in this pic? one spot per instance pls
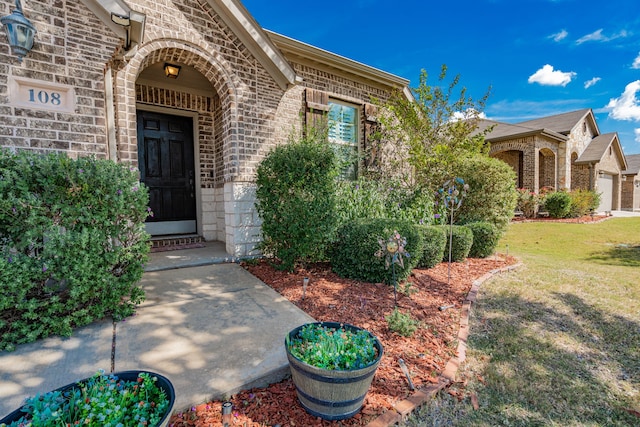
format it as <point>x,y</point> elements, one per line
<point>171,70</point>
<point>20,31</point>
<point>123,21</point>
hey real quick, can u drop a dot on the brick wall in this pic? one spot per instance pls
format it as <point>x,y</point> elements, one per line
<point>247,114</point>
<point>71,48</point>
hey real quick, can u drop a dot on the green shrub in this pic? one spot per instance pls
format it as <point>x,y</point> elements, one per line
<point>485,239</point>
<point>354,254</point>
<point>402,323</point>
<point>528,202</point>
<point>558,204</point>
<point>583,202</point>
<point>365,198</point>
<point>413,204</point>
<point>492,195</point>
<point>435,241</point>
<point>462,240</point>
<point>296,200</point>
<point>359,199</point>
<point>72,243</point>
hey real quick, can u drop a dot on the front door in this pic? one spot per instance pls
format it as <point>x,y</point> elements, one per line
<point>166,162</point>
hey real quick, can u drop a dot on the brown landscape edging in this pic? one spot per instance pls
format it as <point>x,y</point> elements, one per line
<point>405,407</point>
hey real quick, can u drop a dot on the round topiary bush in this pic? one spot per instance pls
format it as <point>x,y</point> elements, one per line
<point>354,255</point>
<point>485,239</point>
<point>435,241</point>
<point>558,204</point>
<point>462,240</point>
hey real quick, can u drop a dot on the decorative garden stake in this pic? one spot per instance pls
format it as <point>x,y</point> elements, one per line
<point>227,407</point>
<point>452,193</point>
<point>393,251</point>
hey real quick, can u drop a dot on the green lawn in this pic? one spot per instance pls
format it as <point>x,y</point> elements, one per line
<point>556,342</point>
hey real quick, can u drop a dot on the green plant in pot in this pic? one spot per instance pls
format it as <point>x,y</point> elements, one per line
<point>129,398</point>
<point>332,366</point>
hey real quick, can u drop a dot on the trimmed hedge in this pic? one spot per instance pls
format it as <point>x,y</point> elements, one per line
<point>485,239</point>
<point>435,241</point>
<point>354,255</point>
<point>558,204</point>
<point>462,239</point>
<point>296,200</point>
<point>72,244</point>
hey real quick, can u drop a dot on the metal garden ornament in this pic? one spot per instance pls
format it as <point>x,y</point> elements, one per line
<point>452,194</point>
<point>393,250</point>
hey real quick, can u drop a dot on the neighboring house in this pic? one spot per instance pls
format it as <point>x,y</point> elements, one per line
<point>193,93</point>
<point>565,151</point>
<point>631,184</point>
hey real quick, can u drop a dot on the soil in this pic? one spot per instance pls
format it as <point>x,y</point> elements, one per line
<point>332,298</point>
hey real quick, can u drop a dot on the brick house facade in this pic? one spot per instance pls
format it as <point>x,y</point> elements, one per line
<point>565,151</point>
<point>241,90</point>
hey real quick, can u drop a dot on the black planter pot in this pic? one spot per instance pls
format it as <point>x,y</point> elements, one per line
<point>331,394</point>
<point>163,383</point>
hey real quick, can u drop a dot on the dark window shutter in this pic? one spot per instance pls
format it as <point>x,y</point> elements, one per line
<point>371,135</point>
<point>317,106</point>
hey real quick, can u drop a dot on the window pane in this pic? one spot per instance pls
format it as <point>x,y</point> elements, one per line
<point>343,122</point>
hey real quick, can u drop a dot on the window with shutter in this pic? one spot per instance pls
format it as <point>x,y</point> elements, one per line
<point>343,135</point>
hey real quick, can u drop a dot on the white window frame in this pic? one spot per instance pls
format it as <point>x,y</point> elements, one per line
<point>339,142</point>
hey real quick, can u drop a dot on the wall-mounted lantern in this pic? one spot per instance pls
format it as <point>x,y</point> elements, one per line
<point>20,31</point>
<point>172,71</point>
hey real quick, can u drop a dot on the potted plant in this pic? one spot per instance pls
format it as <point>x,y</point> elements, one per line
<point>129,398</point>
<point>332,366</point>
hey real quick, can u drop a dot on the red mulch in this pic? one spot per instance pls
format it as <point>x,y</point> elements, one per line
<point>586,219</point>
<point>332,298</point>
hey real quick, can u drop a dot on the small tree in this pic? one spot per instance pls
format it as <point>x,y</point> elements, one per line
<point>296,199</point>
<point>434,128</point>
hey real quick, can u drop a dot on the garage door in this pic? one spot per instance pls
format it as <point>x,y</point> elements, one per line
<point>605,188</point>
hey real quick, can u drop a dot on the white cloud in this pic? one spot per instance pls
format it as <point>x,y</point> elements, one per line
<point>626,107</point>
<point>468,114</point>
<point>597,36</point>
<point>561,35</point>
<point>637,132</point>
<point>591,82</point>
<point>636,63</point>
<point>547,76</point>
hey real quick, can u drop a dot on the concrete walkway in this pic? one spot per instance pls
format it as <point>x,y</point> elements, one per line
<point>211,327</point>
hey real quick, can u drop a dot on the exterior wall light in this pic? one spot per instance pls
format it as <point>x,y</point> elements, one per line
<point>171,70</point>
<point>123,21</point>
<point>20,31</point>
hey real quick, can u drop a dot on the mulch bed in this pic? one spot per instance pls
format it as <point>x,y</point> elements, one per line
<point>586,219</point>
<point>332,298</point>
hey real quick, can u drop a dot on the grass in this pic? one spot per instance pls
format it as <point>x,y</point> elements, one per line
<point>556,342</point>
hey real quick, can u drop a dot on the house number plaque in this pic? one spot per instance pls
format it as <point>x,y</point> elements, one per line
<point>40,95</point>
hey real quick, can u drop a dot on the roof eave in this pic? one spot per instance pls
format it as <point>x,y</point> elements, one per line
<point>533,132</point>
<point>103,9</point>
<point>296,47</point>
<point>240,21</point>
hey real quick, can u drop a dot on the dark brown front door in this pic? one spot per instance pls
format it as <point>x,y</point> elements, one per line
<point>165,158</point>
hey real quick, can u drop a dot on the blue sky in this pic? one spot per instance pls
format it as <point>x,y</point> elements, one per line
<point>540,57</point>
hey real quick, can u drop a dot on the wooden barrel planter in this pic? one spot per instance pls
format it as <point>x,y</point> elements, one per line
<point>162,383</point>
<point>331,394</point>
